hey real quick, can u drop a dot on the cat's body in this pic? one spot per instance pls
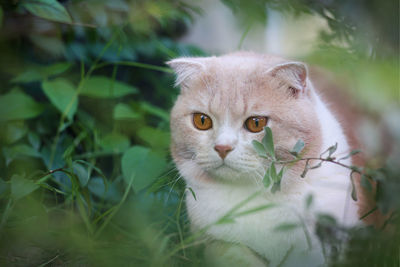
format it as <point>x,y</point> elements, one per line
<point>229,90</point>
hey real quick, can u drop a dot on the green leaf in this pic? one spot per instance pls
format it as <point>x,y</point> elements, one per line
<point>47,9</point>
<point>143,165</point>
<point>259,148</point>
<point>298,147</point>
<point>332,150</point>
<point>92,166</point>
<point>255,210</point>
<point>276,187</point>
<point>18,106</point>
<point>34,140</point>
<point>105,190</point>
<point>280,174</point>
<point>267,179</point>
<point>326,219</point>
<point>114,142</point>
<point>366,183</point>
<point>62,95</point>
<point>156,138</point>
<point>124,112</point>
<point>287,226</point>
<point>268,142</point>
<point>40,73</point>
<point>11,153</point>
<point>309,200</point>
<point>153,110</point>
<point>191,191</point>
<point>4,187</point>
<point>21,187</point>
<point>104,87</point>
<point>14,131</point>
<point>28,76</point>
<point>55,69</point>
<point>225,220</point>
<point>82,173</point>
<point>352,153</point>
<point>272,171</point>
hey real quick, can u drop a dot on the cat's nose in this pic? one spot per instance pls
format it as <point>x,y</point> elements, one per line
<point>223,150</point>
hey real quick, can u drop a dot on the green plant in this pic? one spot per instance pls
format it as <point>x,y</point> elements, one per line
<point>341,240</point>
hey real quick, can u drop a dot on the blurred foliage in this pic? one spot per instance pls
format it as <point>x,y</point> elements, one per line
<point>84,110</point>
<point>368,26</point>
<point>85,173</point>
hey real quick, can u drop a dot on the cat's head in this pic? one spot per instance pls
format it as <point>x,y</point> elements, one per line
<point>224,104</point>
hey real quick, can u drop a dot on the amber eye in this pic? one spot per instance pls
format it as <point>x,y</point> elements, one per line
<point>202,121</point>
<point>255,124</point>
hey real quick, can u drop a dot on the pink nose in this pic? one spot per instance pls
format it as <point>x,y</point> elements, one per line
<point>223,150</point>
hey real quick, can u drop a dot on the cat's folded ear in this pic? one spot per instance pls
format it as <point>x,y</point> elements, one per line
<point>186,68</point>
<point>293,75</point>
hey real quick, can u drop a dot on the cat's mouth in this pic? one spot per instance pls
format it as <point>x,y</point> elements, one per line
<point>224,165</point>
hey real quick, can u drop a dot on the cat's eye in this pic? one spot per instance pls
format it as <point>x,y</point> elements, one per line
<point>255,124</point>
<point>202,121</point>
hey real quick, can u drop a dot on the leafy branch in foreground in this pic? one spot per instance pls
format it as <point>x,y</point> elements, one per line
<point>266,150</point>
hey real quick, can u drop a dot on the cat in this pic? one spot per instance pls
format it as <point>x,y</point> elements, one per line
<point>224,104</point>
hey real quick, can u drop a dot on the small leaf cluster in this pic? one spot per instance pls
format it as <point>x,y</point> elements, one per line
<point>266,150</point>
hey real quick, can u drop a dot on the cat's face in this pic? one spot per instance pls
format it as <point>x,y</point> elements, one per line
<point>223,106</point>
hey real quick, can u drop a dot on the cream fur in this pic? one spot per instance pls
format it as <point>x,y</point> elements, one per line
<point>230,89</point>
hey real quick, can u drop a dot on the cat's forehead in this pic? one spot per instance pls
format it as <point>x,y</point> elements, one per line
<point>230,91</point>
<point>235,85</point>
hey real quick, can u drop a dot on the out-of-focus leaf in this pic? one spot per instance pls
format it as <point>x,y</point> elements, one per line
<point>107,191</point>
<point>142,165</point>
<point>153,110</point>
<point>268,142</point>
<point>31,75</point>
<point>52,44</point>
<point>81,172</point>
<point>352,153</point>
<point>56,69</point>
<point>4,187</point>
<point>11,153</point>
<point>366,183</point>
<point>34,140</point>
<point>40,73</point>
<point>47,9</point>
<point>276,187</point>
<point>18,106</point>
<point>124,112</point>
<point>309,201</point>
<point>14,131</point>
<point>287,226</point>
<point>114,142</point>
<point>21,187</point>
<point>61,93</point>
<point>156,138</point>
<point>326,219</point>
<point>104,87</point>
